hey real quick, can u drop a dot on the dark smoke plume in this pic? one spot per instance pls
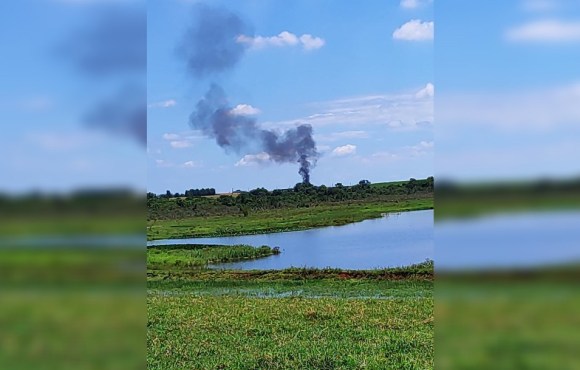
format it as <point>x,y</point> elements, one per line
<point>211,47</point>
<point>214,117</point>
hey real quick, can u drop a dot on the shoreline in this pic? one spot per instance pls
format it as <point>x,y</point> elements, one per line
<point>255,226</point>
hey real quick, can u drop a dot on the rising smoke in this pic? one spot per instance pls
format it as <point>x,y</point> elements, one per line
<point>210,47</point>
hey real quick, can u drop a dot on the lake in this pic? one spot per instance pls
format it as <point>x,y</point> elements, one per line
<point>396,239</point>
<point>508,240</point>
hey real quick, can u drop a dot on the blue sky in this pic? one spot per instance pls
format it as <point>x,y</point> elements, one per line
<point>367,93</point>
<point>508,89</point>
<point>46,144</point>
<point>506,76</point>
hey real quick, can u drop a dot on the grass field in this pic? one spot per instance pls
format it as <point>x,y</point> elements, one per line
<point>292,319</point>
<point>289,333</point>
<point>288,219</point>
<point>285,319</point>
<point>508,321</point>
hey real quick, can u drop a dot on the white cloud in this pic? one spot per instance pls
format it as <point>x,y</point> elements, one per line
<point>253,159</point>
<point>180,144</point>
<point>285,38</point>
<point>413,4</point>
<point>415,30</point>
<point>427,92</point>
<point>244,110</point>
<point>344,150</point>
<point>310,42</point>
<point>548,30</point>
<point>163,104</point>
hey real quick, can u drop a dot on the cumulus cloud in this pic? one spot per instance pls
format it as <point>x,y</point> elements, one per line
<point>344,150</point>
<point>163,104</point>
<point>413,4</point>
<point>244,110</point>
<point>285,38</point>
<point>310,42</point>
<point>427,92</point>
<point>415,30</point>
<point>548,30</point>
<point>253,159</point>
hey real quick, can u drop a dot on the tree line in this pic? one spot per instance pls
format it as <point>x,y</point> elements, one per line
<point>301,195</point>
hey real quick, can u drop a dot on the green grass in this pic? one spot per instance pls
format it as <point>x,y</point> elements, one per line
<point>26,226</point>
<point>508,322</point>
<point>233,331</point>
<point>288,219</point>
<point>291,319</point>
<point>188,256</point>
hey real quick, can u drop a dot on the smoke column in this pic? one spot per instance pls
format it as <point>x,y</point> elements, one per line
<point>214,117</point>
<point>210,47</point>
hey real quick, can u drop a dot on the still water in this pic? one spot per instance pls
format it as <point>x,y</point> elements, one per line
<point>508,241</point>
<point>394,240</point>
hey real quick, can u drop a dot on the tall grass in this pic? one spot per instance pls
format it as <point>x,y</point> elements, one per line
<point>196,256</point>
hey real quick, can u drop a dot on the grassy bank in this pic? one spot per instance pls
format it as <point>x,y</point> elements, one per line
<point>196,256</point>
<point>277,220</point>
<point>291,319</point>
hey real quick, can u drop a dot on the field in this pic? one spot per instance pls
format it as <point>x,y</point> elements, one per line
<point>230,332</point>
<point>298,318</point>
<point>291,319</point>
<point>508,320</point>
<point>277,220</point>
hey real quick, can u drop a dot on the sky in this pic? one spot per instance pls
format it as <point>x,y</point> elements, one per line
<point>75,109</point>
<point>360,73</point>
<point>508,89</point>
<point>48,94</point>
